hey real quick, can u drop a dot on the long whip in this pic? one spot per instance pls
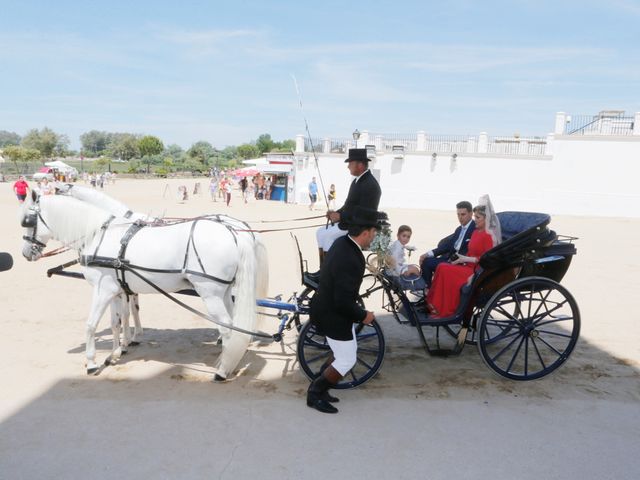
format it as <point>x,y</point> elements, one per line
<point>306,125</point>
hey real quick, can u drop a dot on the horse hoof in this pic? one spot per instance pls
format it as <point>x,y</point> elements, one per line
<point>219,341</point>
<point>219,378</point>
<point>134,344</point>
<point>93,370</point>
<point>108,362</point>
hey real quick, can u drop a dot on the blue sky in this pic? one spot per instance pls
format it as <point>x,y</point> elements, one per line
<point>221,71</point>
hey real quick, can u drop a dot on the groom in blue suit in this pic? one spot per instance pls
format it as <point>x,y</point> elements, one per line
<point>448,247</point>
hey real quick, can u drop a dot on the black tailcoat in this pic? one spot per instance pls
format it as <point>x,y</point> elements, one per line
<point>334,307</point>
<point>365,192</point>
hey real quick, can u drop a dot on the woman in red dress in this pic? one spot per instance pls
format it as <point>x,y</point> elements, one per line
<point>444,295</point>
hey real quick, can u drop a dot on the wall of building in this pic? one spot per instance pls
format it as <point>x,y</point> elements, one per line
<point>581,175</point>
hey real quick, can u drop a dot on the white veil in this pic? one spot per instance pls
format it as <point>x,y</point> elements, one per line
<point>492,221</point>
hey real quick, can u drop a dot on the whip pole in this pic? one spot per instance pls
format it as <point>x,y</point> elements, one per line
<point>306,125</point>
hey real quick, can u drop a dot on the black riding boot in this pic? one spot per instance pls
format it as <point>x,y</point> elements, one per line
<point>327,396</point>
<point>319,387</point>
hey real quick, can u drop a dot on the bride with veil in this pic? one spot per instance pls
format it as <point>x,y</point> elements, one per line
<point>444,295</point>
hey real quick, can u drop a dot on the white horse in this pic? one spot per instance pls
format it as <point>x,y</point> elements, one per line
<point>120,313</point>
<point>123,305</point>
<point>202,254</point>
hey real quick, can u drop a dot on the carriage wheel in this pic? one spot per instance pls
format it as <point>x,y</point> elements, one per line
<point>314,351</point>
<point>528,328</point>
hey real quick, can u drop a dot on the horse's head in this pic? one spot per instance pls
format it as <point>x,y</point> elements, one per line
<point>37,231</point>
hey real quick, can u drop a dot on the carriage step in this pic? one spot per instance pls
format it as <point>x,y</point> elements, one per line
<point>444,352</point>
<point>429,321</point>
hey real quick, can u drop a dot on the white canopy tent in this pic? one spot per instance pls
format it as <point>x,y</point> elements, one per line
<point>61,166</point>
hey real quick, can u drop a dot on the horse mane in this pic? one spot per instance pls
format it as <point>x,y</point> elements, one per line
<point>97,198</point>
<point>72,221</point>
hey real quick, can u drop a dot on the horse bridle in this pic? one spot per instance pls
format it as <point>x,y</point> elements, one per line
<point>31,221</point>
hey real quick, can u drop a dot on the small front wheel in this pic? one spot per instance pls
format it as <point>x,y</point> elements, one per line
<point>314,351</point>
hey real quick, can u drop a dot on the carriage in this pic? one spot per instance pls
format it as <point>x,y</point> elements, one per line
<point>524,323</point>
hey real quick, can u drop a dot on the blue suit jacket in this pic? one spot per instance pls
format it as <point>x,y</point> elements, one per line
<point>446,245</point>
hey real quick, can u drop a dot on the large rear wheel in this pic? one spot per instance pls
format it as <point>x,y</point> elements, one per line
<point>528,329</point>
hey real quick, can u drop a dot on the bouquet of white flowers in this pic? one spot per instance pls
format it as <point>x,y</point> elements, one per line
<point>380,246</point>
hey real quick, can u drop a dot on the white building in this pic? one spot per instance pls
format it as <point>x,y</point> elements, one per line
<point>589,166</point>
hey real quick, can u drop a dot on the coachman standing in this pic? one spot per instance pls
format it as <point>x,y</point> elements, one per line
<point>334,308</point>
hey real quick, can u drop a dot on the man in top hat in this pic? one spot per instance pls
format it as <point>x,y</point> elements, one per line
<point>363,192</point>
<point>334,307</point>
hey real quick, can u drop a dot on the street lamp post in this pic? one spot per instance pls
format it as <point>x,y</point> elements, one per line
<point>356,136</point>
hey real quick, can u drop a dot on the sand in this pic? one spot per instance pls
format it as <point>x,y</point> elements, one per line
<point>156,414</point>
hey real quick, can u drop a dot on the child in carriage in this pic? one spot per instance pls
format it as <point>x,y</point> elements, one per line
<point>408,276</point>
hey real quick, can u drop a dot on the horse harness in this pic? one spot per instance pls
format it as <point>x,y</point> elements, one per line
<point>121,265</point>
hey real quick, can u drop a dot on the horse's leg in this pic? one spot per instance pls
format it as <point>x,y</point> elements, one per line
<point>134,306</point>
<point>116,324</point>
<point>213,295</point>
<point>123,305</point>
<point>224,332</point>
<point>102,295</point>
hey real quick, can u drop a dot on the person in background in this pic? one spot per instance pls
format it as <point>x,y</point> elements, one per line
<point>20,188</point>
<point>313,193</point>
<point>228,190</point>
<point>244,185</point>
<point>46,187</point>
<point>331,197</point>
<point>213,188</point>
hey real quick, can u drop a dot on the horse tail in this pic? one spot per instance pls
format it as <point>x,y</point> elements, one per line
<point>262,269</point>
<point>262,280</point>
<point>244,308</point>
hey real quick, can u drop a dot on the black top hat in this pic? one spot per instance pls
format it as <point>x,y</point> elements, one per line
<point>365,217</point>
<point>357,155</point>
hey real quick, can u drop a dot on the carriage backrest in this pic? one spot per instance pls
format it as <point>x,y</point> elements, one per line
<point>523,233</point>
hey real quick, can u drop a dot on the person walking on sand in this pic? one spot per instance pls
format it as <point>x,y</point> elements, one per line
<point>227,190</point>
<point>20,188</point>
<point>313,193</point>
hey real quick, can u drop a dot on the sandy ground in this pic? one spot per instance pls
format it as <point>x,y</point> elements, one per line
<point>157,414</point>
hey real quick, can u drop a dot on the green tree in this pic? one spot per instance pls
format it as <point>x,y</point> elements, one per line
<point>9,138</point>
<point>102,162</point>
<point>203,152</point>
<point>150,145</point>
<point>123,146</point>
<point>95,143</point>
<point>246,150</point>
<point>17,154</point>
<point>265,143</point>
<point>45,141</point>
<point>286,145</point>
<point>174,151</point>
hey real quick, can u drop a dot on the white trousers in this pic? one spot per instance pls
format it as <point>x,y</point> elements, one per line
<point>327,235</point>
<point>344,352</point>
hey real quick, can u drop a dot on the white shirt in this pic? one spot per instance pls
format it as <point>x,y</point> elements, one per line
<point>463,231</point>
<point>397,253</point>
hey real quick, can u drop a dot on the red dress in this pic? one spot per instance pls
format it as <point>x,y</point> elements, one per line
<point>444,294</point>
